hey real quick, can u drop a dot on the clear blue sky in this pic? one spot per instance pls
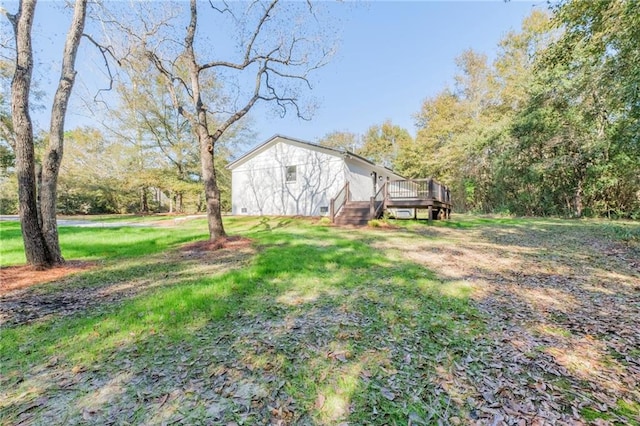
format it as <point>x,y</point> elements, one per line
<point>391,56</point>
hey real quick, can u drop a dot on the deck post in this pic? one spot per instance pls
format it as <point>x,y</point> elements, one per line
<point>372,207</point>
<point>430,212</point>
<point>347,195</point>
<point>332,208</point>
<point>385,195</point>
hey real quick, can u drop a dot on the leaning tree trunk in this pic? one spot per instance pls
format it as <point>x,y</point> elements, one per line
<point>34,246</point>
<point>53,157</point>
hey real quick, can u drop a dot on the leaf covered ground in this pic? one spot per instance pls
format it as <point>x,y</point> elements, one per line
<point>561,301</point>
<point>472,321</point>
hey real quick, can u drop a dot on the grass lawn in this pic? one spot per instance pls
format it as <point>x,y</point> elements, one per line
<point>100,243</point>
<point>470,321</point>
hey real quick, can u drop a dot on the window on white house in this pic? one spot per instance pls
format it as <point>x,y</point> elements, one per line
<point>291,174</point>
<point>324,209</point>
<point>243,210</point>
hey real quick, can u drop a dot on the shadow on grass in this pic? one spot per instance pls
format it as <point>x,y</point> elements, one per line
<point>319,328</point>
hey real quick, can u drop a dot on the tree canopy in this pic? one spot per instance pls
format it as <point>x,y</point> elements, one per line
<point>550,127</point>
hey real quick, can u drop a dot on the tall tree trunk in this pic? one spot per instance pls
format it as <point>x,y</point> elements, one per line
<point>53,156</point>
<point>205,139</point>
<point>178,202</point>
<point>144,200</point>
<point>578,199</point>
<point>37,207</point>
<point>34,246</point>
<point>211,190</point>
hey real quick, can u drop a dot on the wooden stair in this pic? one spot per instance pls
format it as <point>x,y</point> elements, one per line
<point>354,213</point>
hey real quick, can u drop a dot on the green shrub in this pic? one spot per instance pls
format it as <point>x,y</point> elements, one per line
<point>324,221</point>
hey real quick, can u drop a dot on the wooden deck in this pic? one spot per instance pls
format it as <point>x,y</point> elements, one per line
<point>427,194</point>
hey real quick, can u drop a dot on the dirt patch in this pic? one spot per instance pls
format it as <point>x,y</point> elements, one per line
<point>18,277</point>
<point>381,224</point>
<point>201,247</point>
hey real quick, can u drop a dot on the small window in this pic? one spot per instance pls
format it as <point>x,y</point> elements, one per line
<point>324,209</point>
<point>292,174</point>
<point>243,210</point>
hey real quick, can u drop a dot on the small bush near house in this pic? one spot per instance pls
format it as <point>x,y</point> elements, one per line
<point>324,221</point>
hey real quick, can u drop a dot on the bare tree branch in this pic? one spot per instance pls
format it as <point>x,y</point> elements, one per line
<point>104,51</point>
<point>170,76</point>
<point>248,59</point>
<point>9,16</point>
<point>242,112</point>
<point>226,9</point>
<point>263,19</point>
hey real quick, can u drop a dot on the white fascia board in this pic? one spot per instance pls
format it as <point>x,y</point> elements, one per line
<point>283,139</point>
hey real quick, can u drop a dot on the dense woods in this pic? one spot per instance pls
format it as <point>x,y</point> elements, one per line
<point>549,126</point>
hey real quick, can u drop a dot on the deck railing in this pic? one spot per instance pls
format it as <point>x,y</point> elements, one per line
<point>338,202</point>
<point>423,189</point>
<point>409,193</point>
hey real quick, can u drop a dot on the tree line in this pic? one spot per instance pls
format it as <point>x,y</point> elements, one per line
<point>551,126</point>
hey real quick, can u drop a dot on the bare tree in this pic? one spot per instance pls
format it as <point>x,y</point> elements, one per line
<point>39,228</point>
<point>273,56</point>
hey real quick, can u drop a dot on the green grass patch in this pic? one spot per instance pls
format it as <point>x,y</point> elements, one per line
<point>317,314</point>
<point>592,415</point>
<point>623,230</point>
<point>128,218</point>
<point>468,221</point>
<point>629,411</point>
<point>99,243</point>
<point>314,325</point>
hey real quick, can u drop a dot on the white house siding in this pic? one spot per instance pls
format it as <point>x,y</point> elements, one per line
<point>360,178</point>
<point>259,188</point>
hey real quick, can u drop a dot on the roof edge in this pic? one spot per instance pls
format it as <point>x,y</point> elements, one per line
<point>261,146</point>
<point>339,152</point>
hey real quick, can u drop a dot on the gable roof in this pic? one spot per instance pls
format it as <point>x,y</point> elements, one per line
<point>304,144</point>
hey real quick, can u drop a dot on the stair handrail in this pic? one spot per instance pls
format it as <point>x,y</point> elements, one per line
<point>377,202</point>
<point>338,202</point>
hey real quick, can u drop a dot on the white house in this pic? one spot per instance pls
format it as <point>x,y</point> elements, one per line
<point>287,176</point>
